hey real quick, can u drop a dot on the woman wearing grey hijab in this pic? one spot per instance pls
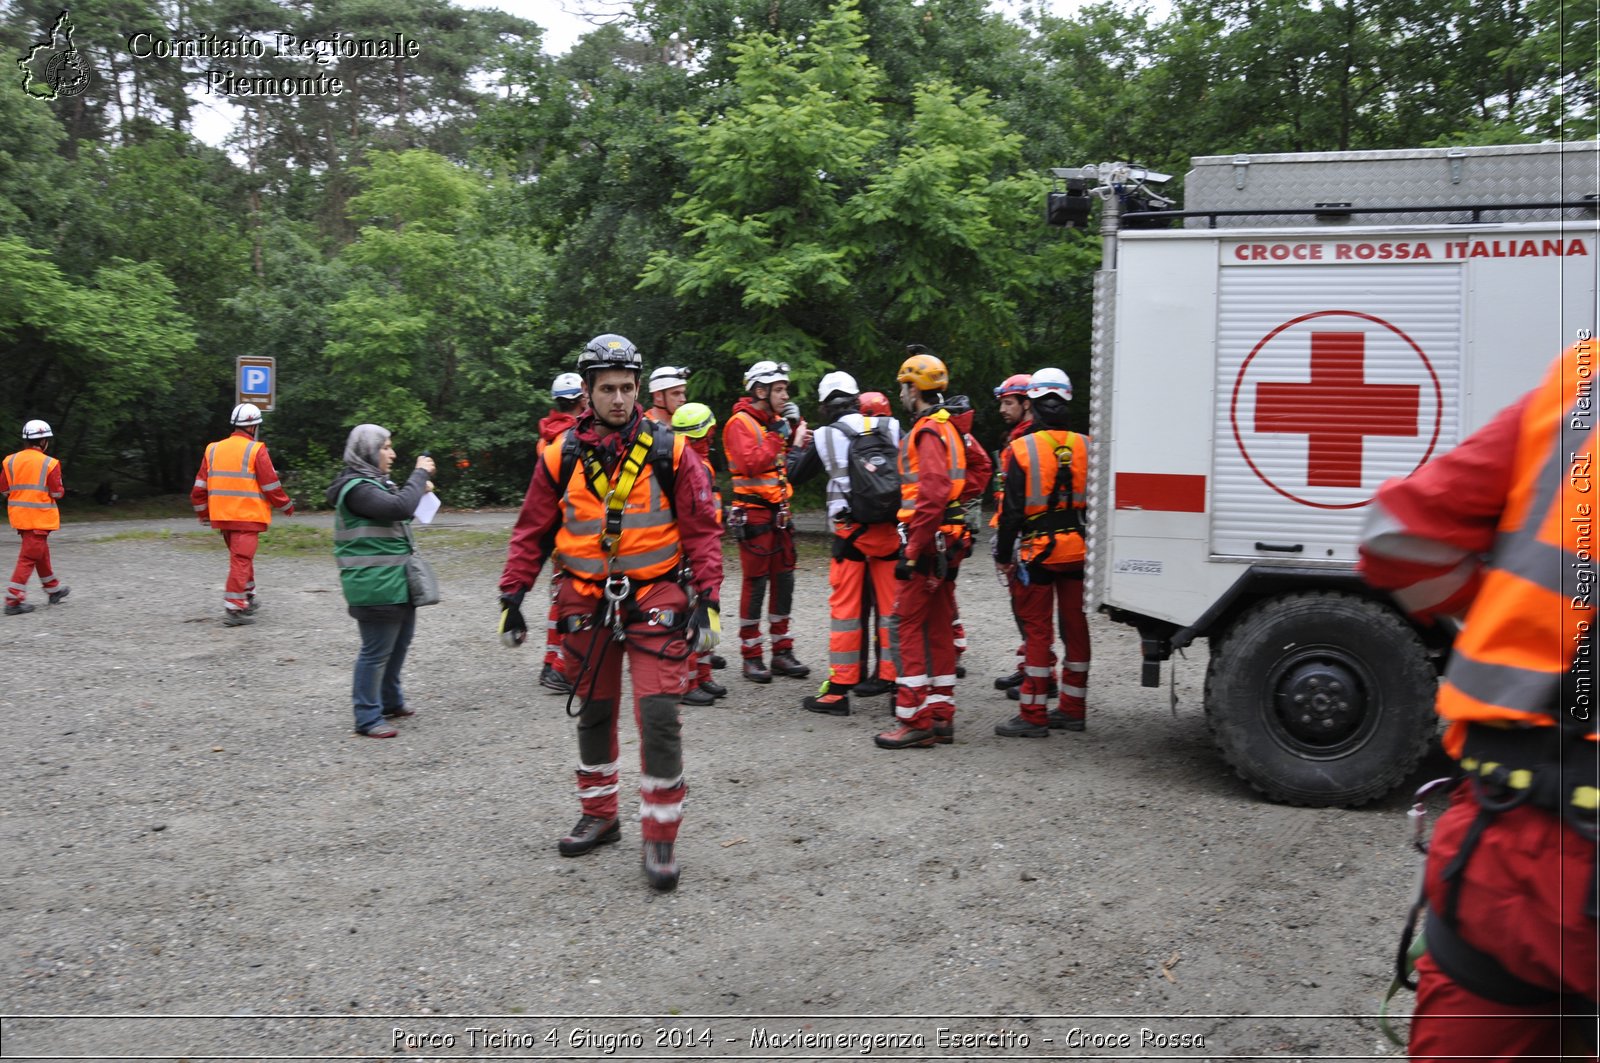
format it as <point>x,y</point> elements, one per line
<point>371,541</point>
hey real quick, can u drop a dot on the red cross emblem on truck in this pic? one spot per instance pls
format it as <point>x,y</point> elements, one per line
<point>1340,409</point>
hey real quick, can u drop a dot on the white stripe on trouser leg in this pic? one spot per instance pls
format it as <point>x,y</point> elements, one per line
<point>938,699</point>
<point>914,681</point>
<point>944,680</point>
<point>773,619</point>
<point>1074,692</point>
<point>585,793</point>
<point>757,642</point>
<point>656,782</point>
<point>1076,666</point>
<point>661,813</point>
<point>598,769</point>
<point>18,587</point>
<point>1038,671</point>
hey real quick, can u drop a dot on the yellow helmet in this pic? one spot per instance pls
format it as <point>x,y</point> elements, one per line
<point>924,372</point>
<point>694,419</point>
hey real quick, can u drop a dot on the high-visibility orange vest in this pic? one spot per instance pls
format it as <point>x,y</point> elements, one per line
<point>659,415</point>
<point>937,422</point>
<point>1050,532</point>
<point>649,546</point>
<point>231,489</point>
<point>769,485</point>
<point>29,505</point>
<point>1536,604</point>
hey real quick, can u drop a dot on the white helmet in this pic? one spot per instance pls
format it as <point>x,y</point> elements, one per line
<point>1050,382</point>
<point>837,383</point>
<point>567,386</point>
<point>245,415</point>
<point>37,430</point>
<point>669,376</point>
<point>765,373</point>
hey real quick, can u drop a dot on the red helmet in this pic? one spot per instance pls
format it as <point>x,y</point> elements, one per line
<point>1015,384</point>
<point>874,404</point>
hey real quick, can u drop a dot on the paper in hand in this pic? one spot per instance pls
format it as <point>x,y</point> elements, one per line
<point>428,507</point>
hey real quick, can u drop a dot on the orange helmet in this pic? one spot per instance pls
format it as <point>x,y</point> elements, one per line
<point>1015,384</point>
<point>924,372</point>
<point>874,404</point>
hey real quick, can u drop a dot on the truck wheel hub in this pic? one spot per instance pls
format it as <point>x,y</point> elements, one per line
<point>1320,702</point>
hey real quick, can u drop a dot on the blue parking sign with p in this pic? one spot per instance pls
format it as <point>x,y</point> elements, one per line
<point>256,379</point>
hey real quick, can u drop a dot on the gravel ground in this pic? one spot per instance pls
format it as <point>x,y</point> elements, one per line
<point>192,830</point>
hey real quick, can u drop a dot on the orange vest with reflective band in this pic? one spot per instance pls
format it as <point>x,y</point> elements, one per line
<point>649,547</point>
<point>937,422</point>
<point>1039,455</point>
<point>768,485</point>
<point>231,489</point>
<point>1536,604</point>
<point>29,505</point>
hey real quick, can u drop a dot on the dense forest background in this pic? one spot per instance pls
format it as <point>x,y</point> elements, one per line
<point>720,180</point>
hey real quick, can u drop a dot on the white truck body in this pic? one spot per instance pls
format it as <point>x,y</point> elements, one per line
<point>1255,382</point>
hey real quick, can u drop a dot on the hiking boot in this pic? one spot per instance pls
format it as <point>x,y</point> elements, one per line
<point>906,737</point>
<point>830,704</point>
<point>1061,721</point>
<point>399,714</point>
<point>1006,682</point>
<point>56,596</point>
<point>1015,693</point>
<point>718,661</point>
<point>784,663</point>
<point>961,671</point>
<point>871,688</point>
<point>714,688</point>
<point>755,671</point>
<point>18,609</point>
<point>696,696</point>
<point>660,866</point>
<point>236,618</point>
<point>590,832</point>
<point>550,678</point>
<point>1017,727</point>
<point>944,734</point>
<point>251,608</point>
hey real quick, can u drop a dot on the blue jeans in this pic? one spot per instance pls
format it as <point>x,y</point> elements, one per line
<point>377,680</point>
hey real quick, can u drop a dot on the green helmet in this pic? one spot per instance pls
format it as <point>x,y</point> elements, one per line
<point>694,419</point>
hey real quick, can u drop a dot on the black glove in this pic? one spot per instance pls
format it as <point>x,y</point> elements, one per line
<point>783,428</point>
<point>707,626</point>
<point>513,629</point>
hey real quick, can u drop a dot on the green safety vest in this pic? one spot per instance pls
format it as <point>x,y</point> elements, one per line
<point>371,555</point>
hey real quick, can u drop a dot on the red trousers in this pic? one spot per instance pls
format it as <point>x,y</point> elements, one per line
<point>924,612</point>
<point>552,638</point>
<point>34,554</point>
<point>658,663</point>
<point>852,569</point>
<point>766,556</point>
<point>1522,900</point>
<point>241,583</point>
<point>1038,604</point>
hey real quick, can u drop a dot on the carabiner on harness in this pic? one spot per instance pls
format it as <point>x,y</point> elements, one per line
<point>618,589</point>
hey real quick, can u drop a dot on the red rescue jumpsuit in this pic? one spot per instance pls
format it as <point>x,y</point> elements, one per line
<point>234,500</point>
<point>757,461</point>
<point>31,482</point>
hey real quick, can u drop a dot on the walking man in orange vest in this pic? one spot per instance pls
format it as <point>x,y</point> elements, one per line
<point>1046,480</point>
<point>623,507</point>
<point>31,481</point>
<point>933,525</point>
<point>235,492</point>
<point>762,439</point>
<point>1501,529</point>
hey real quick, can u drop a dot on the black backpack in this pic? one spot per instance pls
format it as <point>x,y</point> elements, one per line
<point>874,462</point>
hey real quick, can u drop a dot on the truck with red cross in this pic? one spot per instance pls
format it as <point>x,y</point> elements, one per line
<point>1306,327</point>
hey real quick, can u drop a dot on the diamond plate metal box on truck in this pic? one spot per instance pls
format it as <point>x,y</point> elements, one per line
<point>1318,325</point>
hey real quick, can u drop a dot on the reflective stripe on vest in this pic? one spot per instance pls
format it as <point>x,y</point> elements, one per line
<point>231,489</point>
<point>29,506</point>
<point>1537,598</point>
<point>938,423</point>
<point>371,554</point>
<point>767,485</point>
<point>649,546</point>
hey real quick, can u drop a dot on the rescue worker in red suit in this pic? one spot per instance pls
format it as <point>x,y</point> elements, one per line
<point>669,389</point>
<point>640,574</point>
<point>864,555</point>
<point>1039,552</point>
<point>696,422</point>
<point>31,481</point>
<point>980,468</point>
<point>1502,529</point>
<point>879,678</point>
<point>934,532</point>
<point>762,439</point>
<point>235,492</point>
<point>1016,413</point>
<point>567,390</point>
